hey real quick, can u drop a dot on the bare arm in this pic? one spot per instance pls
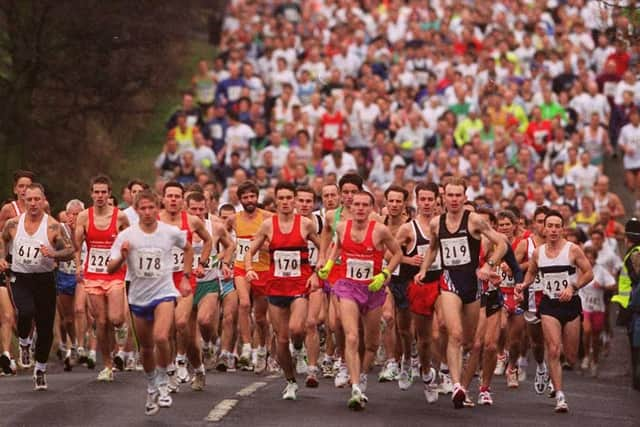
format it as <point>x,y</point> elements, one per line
<point>259,239</point>
<point>583,264</point>
<point>392,246</point>
<point>521,253</point>
<point>432,250</point>
<point>310,231</point>
<point>63,248</point>
<point>5,214</point>
<point>479,224</point>
<point>325,236</point>
<point>207,242</point>
<point>123,221</point>
<point>532,271</point>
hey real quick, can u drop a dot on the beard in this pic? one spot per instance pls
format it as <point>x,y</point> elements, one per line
<point>249,208</point>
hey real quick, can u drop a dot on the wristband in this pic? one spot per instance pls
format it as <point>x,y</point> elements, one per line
<point>187,275</point>
<point>386,272</point>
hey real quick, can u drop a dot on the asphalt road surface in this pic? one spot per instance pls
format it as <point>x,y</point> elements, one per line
<point>246,399</point>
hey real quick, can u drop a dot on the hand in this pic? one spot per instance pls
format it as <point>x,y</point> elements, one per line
<point>519,292</point>
<point>566,294</point>
<point>45,252</point>
<point>324,271</point>
<point>415,260</point>
<point>251,276</point>
<point>378,281</point>
<point>505,267</point>
<point>199,271</point>
<point>419,278</point>
<point>226,271</point>
<point>488,274</point>
<point>124,249</point>
<point>4,265</point>
<point>185,287</point>
<point>312,283</point>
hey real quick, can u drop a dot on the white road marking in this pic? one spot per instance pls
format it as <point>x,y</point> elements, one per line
<point>221,409</point>
<point>250,389</point>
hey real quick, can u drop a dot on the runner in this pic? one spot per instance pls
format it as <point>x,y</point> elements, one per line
<point>217,269</point>
<point>422,296</point>
<point>460,254</point>
<point>98,226</point>
<point>557,261</point>
<point>147,248</point>
<point>187,343</point>
<point>361,243</point>
<point>245,225</point>
<point>290,276</point>
<point>21,180</point>
<point>37,242</point>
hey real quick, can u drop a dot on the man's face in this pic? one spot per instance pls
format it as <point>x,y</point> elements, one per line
<point>426,202</point>
<point>34,200</point>
<point>249,201</point>
<point>454,197</point>
<point>285,201</point>
<point>197,208</point>
<point>135,189</point>
<point>538,224</point>
<point>361,207</point>
<point>553,228</point>
<point>72,216</point>
<point>100,194</point>
<point>147,211</point>
<point>173,200</point>
<point>597,241</point>
<point>395,203</point>
<point>506,227</point>
<point>347,192</point>
<point>21,187</point>
<point>304,203</point>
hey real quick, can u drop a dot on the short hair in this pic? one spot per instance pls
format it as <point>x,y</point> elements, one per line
<point>146,194</point>
<point>247,187</point>
<point>172,184</point>
<point>21,173</point>
<point>542,210</point>
<point>507,214</point>
<point>427,186</point>
<point>366,193</point>
<point>101,179</point>
<point>596,231</point>
<point>194,187</point>
<point>487,211</point>
<point>454,180</point>
<point>397,189</point>
<point>226,207</point>
<point>351,178</point>
<point>36,186</point>
<point>285,185</point>
<point>196,196</point>
<point>74,202</point>
<point>139,182</point>
<point>553,213</point>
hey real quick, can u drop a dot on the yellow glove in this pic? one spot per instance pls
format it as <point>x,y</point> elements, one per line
<point>378,280</point>
<point>324,271</point>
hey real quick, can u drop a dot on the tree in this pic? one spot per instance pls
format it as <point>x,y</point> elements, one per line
<point>71,71</point>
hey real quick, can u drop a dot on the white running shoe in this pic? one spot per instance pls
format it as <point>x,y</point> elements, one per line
<point>312,377</point>
<point>523,364</point>
<point>24,359</point>
<point>358,400</point>
<point>404,378</point>
<point>301,363</point>
<point>389,372</point>
<point>164,399</point>
<point>199,381</point>
<point>484,398</point>
<point>290,391</point>
<point>182,373</point>
<point>458,396</point>
<point>584,365</point>
<point>415,368</point>
<point>173,384</point>
<point>364,380</point>
<point>501,365</point>
<point>130,365</point>
<point>151,407</point>
<point>261,360</point>
<point>244,362</point>
<point>431,387</point>
<point>106,375</point>
<point>327,367</point>
<point>342,377</point>
<point>540,381</point>
<point>445,386</point>
<point>39,380</point>
<point>512,378</point>
<point>561,403</point>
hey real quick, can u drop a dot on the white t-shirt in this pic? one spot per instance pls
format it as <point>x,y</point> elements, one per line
<point>630,138</point>
<point>592,298</point>
<point>150,261</point>
<point>237,139</point>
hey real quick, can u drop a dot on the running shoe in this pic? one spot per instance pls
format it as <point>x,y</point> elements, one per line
<point>458,396</point>
<point>5,364</point>
<point>221,365</point>
<point>327,367</point>
<point>364,380</point>
<point>91,360</point>
<point>151,406</point>
<point>540,380</point>
<point>39,380</point>
<point>82,356</point>
<point>261,360</point>
<point>342,377</point>
<point>131,364</point>
<point>389,372</point>
<point>593,370</point>
<point>512,378</point>
<point>445,386</point>
<point>106,375</point>
<point>561,403</point>
<point>164,400</point>
<point>312,377</point>
<point>244,362</point>
<point>199,381</point>
<point>290,391</point>
<point>484,398</point>
<point>358,400</point>
<point>182,373</point>
<point>208,358</point>
<point>404,378</point>
<point>523,364</point>
<point>67,361</point>
<point>415,368</point>
<point>551,390</point>
<point>273,366</point>
<point>118,361</point>
<point>299,359</point>
<point>584,365</point>
<point>25,361</point>
<point>431,387</point>
<point>501,365</point>
<point>173,385</point>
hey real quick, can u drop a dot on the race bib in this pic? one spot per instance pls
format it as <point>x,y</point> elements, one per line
<point>313,253</point>
<point>537,284</point>
<point>234,92</point>
<point>242,247</point>
<point>554,284</point>
<point>331,131</point>
<point>593,303</point>
<point>98,260</point>
<point>27,252</point>
<point>148,263</point>
<point>455,251</point>
<point>67,267</point>
<point>177,259</point>
<point>507,280</point>
<point>359,269</point>
<point>286,264</point>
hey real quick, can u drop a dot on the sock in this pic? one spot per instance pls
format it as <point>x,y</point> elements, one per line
<point>444,368</point>
<point>41,367</point>
<point>171,368</point>
<point>427,378</point>
<point>92,354</point>
<point>181,358</point>
<point>199,369</point>
<point>161,377</point>
<point>151,381</point>
<point>559,394</point>
<point>355,386</point>
<point>24,342</point>
<point>246,348</point>
<point>62,346</point>
<point>121,334</point>
<point>542,367</point>
<point>7,354</point>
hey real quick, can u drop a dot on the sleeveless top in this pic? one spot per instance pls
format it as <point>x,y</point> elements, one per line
<point>556,273</point>
<point>420,246</point>
<point>25,251</point>
<point>313,250</point>
<point>245,231</point>
<point>289,267</point>
<point>212,270</point>
<point>459,250</point>
<point>99,244</point>
<point>361,260</point>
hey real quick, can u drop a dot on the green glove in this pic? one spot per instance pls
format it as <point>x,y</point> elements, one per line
<point>378,280</point>
<point>324,271</point>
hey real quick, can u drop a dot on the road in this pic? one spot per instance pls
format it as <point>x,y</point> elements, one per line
<point>76,399</point>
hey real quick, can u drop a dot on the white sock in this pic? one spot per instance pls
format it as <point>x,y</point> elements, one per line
<point>6,353</point>
<point>41,367</point>
<point>181,358</point>
<point>92,354</point>
<point>151,381</point>
<point>161,377</point>
<point>24,341</point>
<point>171,367</point>
<point>427,378</point>
<point>199,369</point>
<point>542,367</point>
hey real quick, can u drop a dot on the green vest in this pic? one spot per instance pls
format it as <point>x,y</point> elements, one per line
<point>624,281</point>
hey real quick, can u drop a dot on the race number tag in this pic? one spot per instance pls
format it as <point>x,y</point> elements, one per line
<point>359,269</point>
<point>287,264</point>
<point>507,280</point>
<point>537,284</point>
<point>593,303</point>
<point>455,251</point>
<point>313,253</point>
<point>242,247</point>
<point>67,267</point>
<point>331,131</point>
<point>98,260</point>
<point>27,252</point>
<point>148,263</point>
<point>177,259</point>
<point>555,283</point>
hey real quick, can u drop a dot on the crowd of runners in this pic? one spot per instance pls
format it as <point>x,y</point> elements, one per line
<point>415,185</point>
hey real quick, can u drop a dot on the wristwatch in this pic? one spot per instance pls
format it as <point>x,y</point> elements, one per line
<point>491,263</point>
<point>187,275</point>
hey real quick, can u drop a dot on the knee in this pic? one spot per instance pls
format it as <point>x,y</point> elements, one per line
<point>388,317</point>
<point>455,336</point>
<point>296,330</point>
<point>244,305</point>
<point>553,351</point>
<point>261,319</point>
<point>161,339</point>
<point>181,323</point>
<point>491,347</point>
<point>351,339</point>
<point>205,319</point>
<point>311,324</point>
